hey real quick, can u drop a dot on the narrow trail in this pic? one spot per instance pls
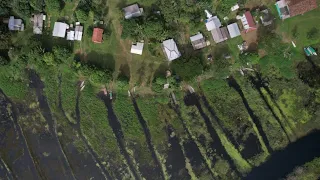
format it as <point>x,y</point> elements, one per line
<point>148,138</point>
<point>28,157</point>
<point>117,130</point>
<point>286,160</point>
<point>93,154</point>
<point>177,111</point>
<point>258,88</point>
<point>37,84</point>
<point>192,100</point>
<point>233,83</point>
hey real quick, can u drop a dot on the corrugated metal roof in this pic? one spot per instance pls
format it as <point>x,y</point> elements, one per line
<point>171,50</point>
<point>97,35</point>
<point>234,30</point>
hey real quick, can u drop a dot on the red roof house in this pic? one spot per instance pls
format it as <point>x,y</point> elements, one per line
<point>248,22</point>
<point>97,35</point>
<point>301,6</point>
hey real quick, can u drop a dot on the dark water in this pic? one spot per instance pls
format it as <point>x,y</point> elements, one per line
<point>83,164</point>
<point>176,161</point>
<point>283,162</point>
<point>147,134</point>
<point>117,130</point>
<point>56,164</point>
<point>4,172</point>
<point>251,147</point>
<point>192,99</point>
<point>233,83</point>
<point>13,146</point>
<point>196,152</point>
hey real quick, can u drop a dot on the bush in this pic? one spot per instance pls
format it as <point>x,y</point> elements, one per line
<point>81,15</point>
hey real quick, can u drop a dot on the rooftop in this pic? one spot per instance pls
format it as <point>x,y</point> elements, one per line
<point>198,41</point>
<point>170,49</point>
<point>137,48</point>
<point>59,29</point>
<point>15,24</point>
<point>213,23</point>
<point>132,11</point>
<point>297,7</point>
<point>234,30</point>
<point>97,35</point>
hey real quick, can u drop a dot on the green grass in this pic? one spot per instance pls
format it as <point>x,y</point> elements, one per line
<point>304,23</point>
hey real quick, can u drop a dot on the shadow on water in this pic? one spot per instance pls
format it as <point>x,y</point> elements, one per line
<point>175,160</point>
<point>194,146</point>
<point>48,141</point>
<point>77,159</point>
<point>193,100</point>
<point>283,162</point>
<point>251,147</point>
<point>117,130</point>
<point>13,146</point>
<point>148,138</point>
<point>233,83</point>
<point>258,84</point>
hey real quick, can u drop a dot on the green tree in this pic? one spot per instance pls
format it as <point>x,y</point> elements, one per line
<point>313,33</point>
<point>155,30</point>
<point>81,15</point>
<point>249,57</point>
<point>53,5</point>
<point>188,67</point>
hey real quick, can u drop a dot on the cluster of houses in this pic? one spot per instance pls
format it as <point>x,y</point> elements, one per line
<point>213,25</point>
<point>70,32</point>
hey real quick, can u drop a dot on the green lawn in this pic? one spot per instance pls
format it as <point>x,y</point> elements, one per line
<point>302,24</point>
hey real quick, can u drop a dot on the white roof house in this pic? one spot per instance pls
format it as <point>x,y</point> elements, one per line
<point>234,30</point>
<point>170,49</point>
<point>213,23</point>
<point>15,24</point>
<point>137,48</point>
<point>78,33</point>
<point>70,35</point>
<point>132,11</point>
<point>60,29</point>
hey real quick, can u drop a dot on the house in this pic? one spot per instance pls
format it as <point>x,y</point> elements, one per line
<point>170,49</point>
<point>220,34</point>
<point>15,24</point>
<point>37,20</point>
<point>59,29</point>
<point>137,48</point>
<point>132,11</point>
<point>78,33</point>
<point>290,8</point>
<point>235,7</point>
<point>70,35</point>
<point>198,41</point>
<point>234,30</point>
<point>212,23</point>
<point>97,35</point>
<point>266,18</point>
<point>248,22</point>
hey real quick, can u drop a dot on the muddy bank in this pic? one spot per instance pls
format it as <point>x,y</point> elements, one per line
<point>283,162</point>
<point>175,161</point>
<point>13,146</point>
<point>157,170</point>
<point>117,130</point>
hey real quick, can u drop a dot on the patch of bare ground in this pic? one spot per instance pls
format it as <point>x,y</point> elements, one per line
<point>262,53</point>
